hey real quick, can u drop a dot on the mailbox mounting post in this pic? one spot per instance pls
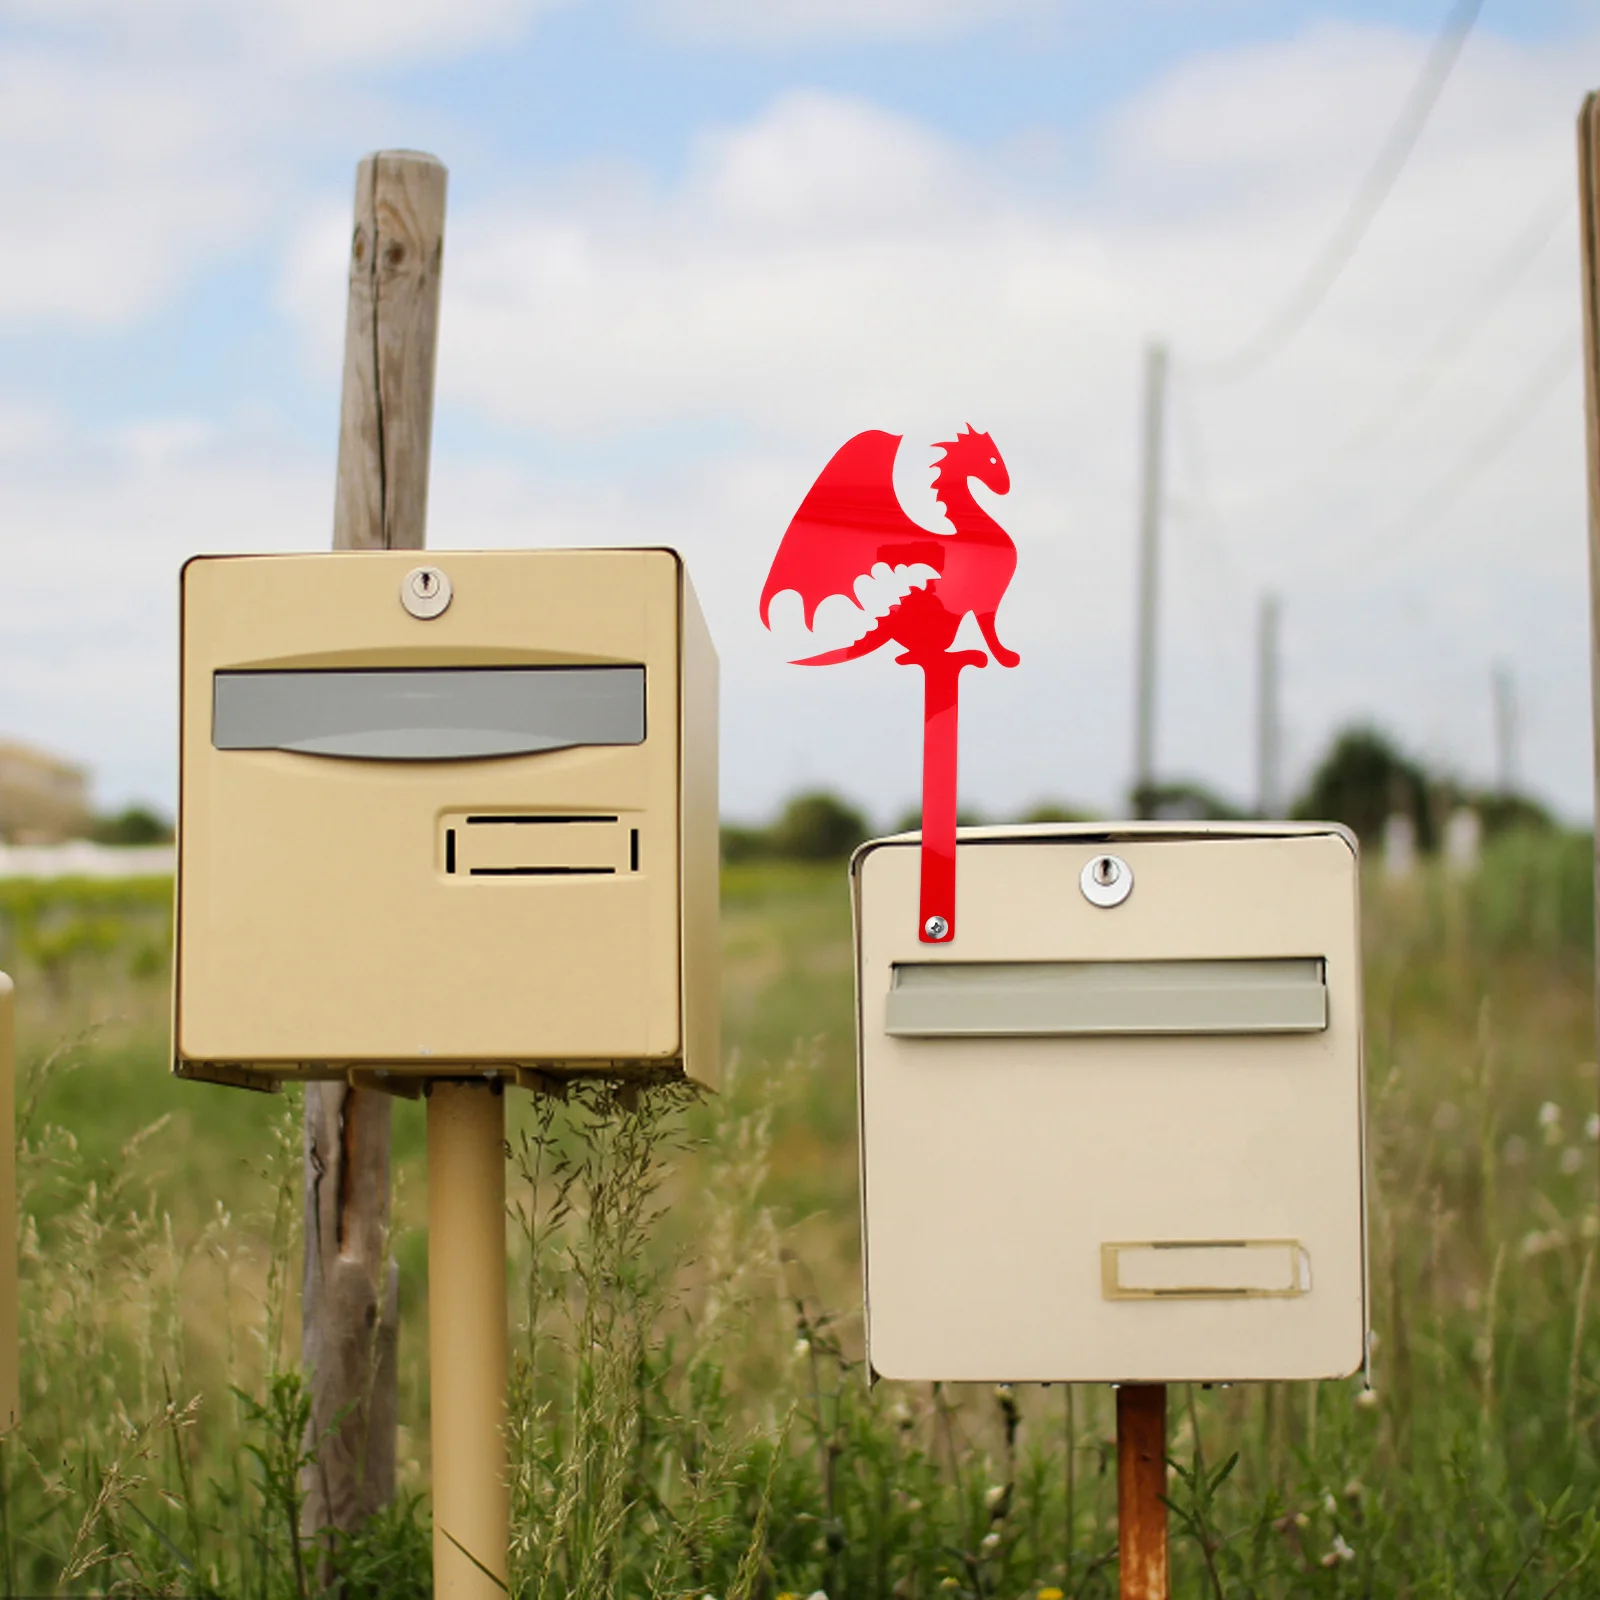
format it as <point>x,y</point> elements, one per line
<point>1141,1483</point>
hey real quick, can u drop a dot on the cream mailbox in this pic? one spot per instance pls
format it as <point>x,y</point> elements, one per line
<point>446,811</point>
<point>1113,1131</point>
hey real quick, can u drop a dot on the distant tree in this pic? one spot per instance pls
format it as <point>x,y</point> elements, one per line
<point>1054,811</point>
<point>741,843</point>
<point>1182,801</point>
<point>817,827</point>
<point>134,825</point>
<point>1505,813</point>
<point>1362,781</point>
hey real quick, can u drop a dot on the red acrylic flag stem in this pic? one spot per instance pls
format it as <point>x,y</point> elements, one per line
<point>941,709</point>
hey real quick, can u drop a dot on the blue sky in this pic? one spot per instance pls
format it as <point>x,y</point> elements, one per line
<point>694,244</point>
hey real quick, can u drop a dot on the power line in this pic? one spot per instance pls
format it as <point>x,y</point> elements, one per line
<point>1346,238</point>
<point>1527,244</point>
<point>1484,452</point>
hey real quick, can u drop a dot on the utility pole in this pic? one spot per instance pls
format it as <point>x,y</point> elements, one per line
<point>1144,744</point>
<point>350,1295</point>
<point>1505,730</point>
<point>1269,792</point>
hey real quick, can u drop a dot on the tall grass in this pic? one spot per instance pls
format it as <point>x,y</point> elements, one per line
<point>690,1415</point>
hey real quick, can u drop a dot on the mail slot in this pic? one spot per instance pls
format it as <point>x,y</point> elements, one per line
<point>1115,1138</point>
<point>432,840</point>
<point>954,999</point>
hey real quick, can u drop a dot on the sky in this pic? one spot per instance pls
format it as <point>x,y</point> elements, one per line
<point>694,245</point>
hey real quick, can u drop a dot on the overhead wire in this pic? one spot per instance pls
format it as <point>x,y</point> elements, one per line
<point>1484,452</point>
<point>1527,245</point>
<point>1329,264</point>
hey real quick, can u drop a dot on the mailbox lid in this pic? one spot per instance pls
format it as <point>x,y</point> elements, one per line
<point>997,1171</point>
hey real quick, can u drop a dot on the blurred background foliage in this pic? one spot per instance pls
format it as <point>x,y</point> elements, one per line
<point>691,1415</point>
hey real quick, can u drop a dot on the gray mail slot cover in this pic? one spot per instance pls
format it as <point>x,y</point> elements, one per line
<point>432,714</point>
<point>955,999</point>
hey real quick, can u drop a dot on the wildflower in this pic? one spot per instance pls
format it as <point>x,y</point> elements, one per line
<point>1591,1126</point>
<point>948,1583</point>
<point>1329,1504</point>
<point>816,1594</point>
<point>994,1494</point>
<point>1341,1549</point>
<point>989,1542</point>
<point>802,1348</point>
<point>1052,1593</point>
<point>1549,1114</point>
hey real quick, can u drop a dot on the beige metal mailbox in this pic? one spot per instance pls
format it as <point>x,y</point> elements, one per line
<point>446,811</point>
<point>1114,1130</point>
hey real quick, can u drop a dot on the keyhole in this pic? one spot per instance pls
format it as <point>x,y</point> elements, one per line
<point>425,583</point>
<point>1105,871</point>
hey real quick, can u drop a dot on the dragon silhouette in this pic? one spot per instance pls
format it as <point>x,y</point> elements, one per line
<point>849,523</point>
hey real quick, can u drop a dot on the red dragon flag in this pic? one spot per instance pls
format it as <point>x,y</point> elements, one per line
<point>850,523</point>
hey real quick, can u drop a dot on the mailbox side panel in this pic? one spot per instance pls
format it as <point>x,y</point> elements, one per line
<point>702,847</point>
<point>321,918</point>
<point>996,1170</point>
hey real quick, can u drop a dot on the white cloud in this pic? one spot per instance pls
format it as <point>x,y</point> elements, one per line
<point>785,22</point>
<point>301,34</point>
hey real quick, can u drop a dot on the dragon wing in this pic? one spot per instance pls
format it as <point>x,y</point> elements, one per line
<point>850,521</point>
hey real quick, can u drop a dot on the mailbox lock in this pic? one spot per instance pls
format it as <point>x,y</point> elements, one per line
<point>425,592</point>
<point>1106,881</point>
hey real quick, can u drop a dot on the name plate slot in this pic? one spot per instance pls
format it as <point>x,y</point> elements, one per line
<point>550,844</point>
<point>1205,1269</point>
<point>950,999</point>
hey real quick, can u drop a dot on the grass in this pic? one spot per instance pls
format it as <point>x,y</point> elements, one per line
<point>690,1413</point>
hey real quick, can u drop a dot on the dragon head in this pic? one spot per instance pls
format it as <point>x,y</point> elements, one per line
<point>973,455</point>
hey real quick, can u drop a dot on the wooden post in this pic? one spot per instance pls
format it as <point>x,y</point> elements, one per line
<point>1589,233</point>
<point>1141,1482</point>
<point>350,1302</point>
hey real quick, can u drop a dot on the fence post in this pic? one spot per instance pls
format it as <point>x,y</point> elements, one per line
<point>350,1301</point>
<point>1589,232</point>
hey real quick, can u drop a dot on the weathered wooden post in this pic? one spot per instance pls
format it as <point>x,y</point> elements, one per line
<point>349,1315</point>
<point>1589,231</point>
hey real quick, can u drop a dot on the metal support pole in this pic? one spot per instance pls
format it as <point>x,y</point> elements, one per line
<point>1141,1482</point>
<point>467,1346</point>
<point>1144,744</point>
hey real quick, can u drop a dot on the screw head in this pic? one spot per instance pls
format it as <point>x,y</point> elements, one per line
<point>936,927</point>
<point>425,592</point>
<point>1106,881</point>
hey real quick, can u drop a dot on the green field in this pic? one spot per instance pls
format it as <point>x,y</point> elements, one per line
<point>691,1417</point>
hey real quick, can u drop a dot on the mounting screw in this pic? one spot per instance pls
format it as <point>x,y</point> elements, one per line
<point>936,927</point>
<point>1106,881</point>
<point>425,592</point>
